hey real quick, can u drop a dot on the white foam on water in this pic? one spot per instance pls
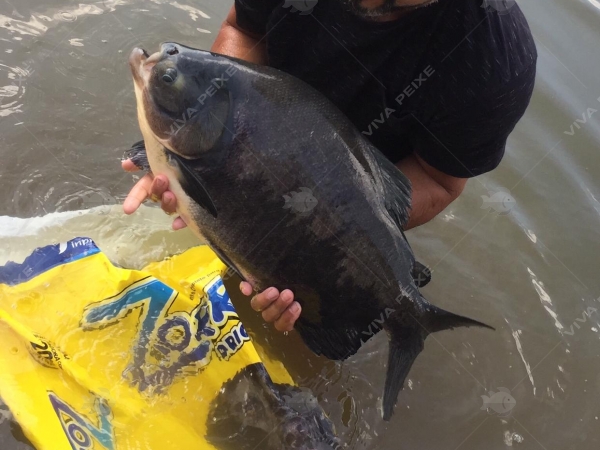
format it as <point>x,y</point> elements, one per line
<point>129,241</point>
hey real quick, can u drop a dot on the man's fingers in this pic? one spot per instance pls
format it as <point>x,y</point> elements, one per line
<point>151,187</point>
<point>138,194</point>
<point>159,185</point>
<point>277,307</point>
<point>178,224</point>
<point>262,301</point>
<point>246,288</point>
<point>129,166</point>
<point>168,202</point>
<point>288,318</point>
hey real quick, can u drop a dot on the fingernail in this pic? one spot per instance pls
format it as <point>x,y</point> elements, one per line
<point>272,294</point>
<point>160,182</point>
<point>294,307</point>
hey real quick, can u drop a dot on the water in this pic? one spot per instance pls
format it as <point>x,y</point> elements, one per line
<point>67,112</point>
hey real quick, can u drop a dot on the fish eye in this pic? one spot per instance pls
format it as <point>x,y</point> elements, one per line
<point>170,75</point>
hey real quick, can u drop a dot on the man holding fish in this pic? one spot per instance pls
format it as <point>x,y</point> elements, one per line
<point>437,86</point>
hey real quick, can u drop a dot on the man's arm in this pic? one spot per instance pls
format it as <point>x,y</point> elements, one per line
<point>432,190</point>
<point>234,41</point>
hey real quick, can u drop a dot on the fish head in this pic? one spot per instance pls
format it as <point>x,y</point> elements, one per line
<point>183,97</point>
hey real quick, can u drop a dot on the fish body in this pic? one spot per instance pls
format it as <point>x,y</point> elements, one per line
<point>252,139</point>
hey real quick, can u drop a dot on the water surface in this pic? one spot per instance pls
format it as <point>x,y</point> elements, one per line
<point>67,112</point>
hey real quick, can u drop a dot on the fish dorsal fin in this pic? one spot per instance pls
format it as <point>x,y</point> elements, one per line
<point>394,186</point>
<point>192,183</point>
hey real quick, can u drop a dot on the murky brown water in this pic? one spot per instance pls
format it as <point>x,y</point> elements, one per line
<point>67,112</point>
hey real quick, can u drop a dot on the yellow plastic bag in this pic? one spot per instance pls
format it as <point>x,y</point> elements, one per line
<point>95,356</point>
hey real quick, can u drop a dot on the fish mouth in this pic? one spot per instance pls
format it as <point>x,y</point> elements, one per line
<point>141,63</point>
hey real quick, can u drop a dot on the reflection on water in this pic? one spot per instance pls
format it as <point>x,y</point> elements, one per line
<point>525,261</point>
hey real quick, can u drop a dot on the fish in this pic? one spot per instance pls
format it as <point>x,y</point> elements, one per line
<point>237,142</point>
<point>251,412</point>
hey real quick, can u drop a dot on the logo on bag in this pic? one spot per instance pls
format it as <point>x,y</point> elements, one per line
<point>46,354</point>
<point>82,433</point>
<point>170,344</point>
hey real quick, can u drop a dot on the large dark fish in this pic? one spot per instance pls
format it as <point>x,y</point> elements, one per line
<point>289,194</point>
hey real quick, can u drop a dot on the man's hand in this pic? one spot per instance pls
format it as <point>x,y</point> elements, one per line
<point>150,187</point>
<point>276,307</point>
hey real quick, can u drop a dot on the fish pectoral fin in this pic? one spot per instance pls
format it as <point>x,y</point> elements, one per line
<point>192,184</point>
<point>402,355</point>
<point>137,154</point>
<point>336,343</point>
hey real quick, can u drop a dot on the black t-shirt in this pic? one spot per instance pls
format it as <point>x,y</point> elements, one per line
<point>448,81</point>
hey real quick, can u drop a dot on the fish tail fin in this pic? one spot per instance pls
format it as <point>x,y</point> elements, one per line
<point>437,319</point>
<point>406,344</point>
<point>402,355</point>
